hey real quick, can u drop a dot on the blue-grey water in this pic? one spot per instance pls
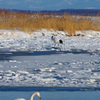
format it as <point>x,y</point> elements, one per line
<point>56,95</point>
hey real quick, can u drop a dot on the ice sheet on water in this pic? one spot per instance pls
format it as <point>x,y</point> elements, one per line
<point>64,70</point>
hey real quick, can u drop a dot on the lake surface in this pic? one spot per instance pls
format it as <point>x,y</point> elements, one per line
<point>53,95</point>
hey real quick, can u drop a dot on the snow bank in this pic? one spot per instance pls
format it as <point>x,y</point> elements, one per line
<point>13,34</point>
<point>89,33</point>
<point>44,32</point>
<point>12,41</point>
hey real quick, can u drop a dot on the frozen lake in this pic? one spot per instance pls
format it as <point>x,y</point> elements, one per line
<point>76,68</point>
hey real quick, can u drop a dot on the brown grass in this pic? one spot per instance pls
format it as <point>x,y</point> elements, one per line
<point>31,22</point>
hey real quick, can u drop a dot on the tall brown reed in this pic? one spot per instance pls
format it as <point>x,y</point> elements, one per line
<point>31,22</point>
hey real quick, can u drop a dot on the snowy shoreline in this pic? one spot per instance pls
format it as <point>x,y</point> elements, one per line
<point>33,60</point>
<point>14,41</point>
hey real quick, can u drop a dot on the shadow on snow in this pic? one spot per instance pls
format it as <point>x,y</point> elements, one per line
<point>55,50</point>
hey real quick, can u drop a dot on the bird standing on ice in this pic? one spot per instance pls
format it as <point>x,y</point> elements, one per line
<point>56,40</point>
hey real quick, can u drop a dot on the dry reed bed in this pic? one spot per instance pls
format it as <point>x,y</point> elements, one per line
<point>31,22</point>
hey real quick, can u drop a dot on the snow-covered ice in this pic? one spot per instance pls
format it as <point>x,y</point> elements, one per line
<point>32,60</point>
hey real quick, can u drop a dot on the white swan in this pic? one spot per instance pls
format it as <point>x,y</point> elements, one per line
<point>31,98</point>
